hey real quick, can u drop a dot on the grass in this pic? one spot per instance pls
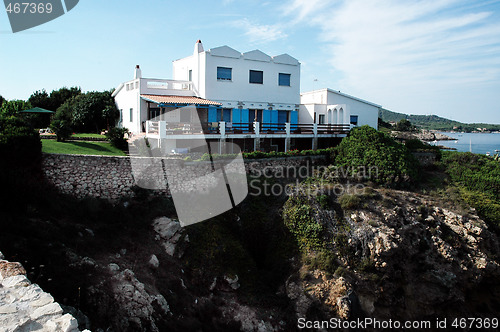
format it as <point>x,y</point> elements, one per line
<point>88,148</point>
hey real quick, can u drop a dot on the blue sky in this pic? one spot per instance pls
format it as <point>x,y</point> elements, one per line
<point>420,57</point>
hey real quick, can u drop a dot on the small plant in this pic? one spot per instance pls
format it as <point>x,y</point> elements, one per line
<point>349,202</point>
<point>62,129</point>
<point>324,201</point>
<point>117,137</point>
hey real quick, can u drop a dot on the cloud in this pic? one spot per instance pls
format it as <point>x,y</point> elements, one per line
<point>399,49</point>
<point>260,33</point>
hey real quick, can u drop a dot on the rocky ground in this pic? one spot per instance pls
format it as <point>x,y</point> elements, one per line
<point>407,256</point>
<point>423,135</point>
<point>26,307</point>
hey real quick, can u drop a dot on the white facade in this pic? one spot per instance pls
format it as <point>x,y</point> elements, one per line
<point>335,107</point>
<point>201,68</point>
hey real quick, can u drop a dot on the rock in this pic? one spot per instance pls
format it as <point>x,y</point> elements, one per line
<point>46,310</point>
<point>8,269</point>
<point>233,282</point>
<point>169,232</point>
<point>112,267</point>
<point>1,256</point>
<point>16,281</point>
<point>154,262</point>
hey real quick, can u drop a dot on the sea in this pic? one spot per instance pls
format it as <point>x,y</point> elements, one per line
<point>481,143</point>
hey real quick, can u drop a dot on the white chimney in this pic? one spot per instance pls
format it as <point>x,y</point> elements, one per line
<point>137,72</point>
<point>198,47</point>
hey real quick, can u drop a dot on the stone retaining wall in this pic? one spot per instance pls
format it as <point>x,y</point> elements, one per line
<point>111,177</point>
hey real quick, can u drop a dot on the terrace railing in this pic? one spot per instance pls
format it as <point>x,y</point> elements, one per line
<point>162,128</point>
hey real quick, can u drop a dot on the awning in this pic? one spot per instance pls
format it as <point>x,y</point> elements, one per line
<point>37,110</point>
<point>185,100</point>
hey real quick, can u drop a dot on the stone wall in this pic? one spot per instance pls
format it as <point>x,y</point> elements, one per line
<point>112,177</point>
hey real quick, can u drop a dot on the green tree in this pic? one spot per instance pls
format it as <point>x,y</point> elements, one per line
<point>61,125</point>
<point>404,125</point>
<point>59,97</point>
<point>389,162</point>
<point>41,99</point>
<point>13,107</point>
<point>93,111</point>
<point>2,99</point>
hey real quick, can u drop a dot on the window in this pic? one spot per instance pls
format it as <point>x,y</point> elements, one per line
<point>224,74</point>
<point>283,79</point>
<point>256,76</point>
<point>354,120</point>
<point>131,114</point>
<point>137,85</point>
<point>321,119</point>
<point>190,75</point>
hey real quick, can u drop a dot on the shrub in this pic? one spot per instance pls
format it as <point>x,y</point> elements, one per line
<point>61,128</point>
<point>20,145</point>
<point>349,202</point>
<point>297,215</point>
<point>117,137</point>
<point>372,149</point>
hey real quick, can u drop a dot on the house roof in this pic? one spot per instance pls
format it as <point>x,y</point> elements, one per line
<point>179,100</point>
<point>341,94</point>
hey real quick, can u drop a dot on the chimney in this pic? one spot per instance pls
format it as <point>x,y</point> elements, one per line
<point>198,47</point>
<point>137,72</point>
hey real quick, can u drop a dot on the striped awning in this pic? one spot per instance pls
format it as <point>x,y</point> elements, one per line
<point>188,100</point>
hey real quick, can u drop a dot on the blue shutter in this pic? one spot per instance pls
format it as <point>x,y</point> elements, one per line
<point>266,120</point>
<point>294,120</point>
<point>212,114</point>
<point>244,119</point>
<point>274,116</point>
<point>236,115</point>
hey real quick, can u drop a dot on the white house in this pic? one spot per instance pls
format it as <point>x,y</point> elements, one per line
<point>327,106</point>
<point>252,99</point>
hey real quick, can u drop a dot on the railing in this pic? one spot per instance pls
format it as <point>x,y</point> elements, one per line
<point>163,128</point>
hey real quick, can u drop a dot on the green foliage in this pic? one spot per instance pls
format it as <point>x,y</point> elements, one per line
<point>20,145</point>
<point>404,125</point>
<point>297,215</point>
<point>79,147</point>
<point>323,260</point>
<point>369,148</point>
<point>13,107</point>
<point>272,154</point>
<point>349,202</point>
<point>2,99</point>
<point>41,99</point>
<point>117,137</point>
<point>478,178</point>
<point>62,129</point>
<point>92,111</point>
<point>323,201</point>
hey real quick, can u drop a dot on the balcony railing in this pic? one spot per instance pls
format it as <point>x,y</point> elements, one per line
<point>163,129</point>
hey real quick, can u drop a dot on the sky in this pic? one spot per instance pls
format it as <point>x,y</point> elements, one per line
<point>437,57</point>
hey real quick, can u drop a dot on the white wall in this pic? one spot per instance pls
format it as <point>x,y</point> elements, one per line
<point>367,113</point>
<point>127,99</point>
<point>204,66</point>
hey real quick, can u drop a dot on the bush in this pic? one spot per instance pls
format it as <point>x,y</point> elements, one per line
<point>117,137</point>
<point>349,202</point>
<point>297,215</point>
<point>372,149</point>
<point>20,145</point>
<point>62,129</point>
